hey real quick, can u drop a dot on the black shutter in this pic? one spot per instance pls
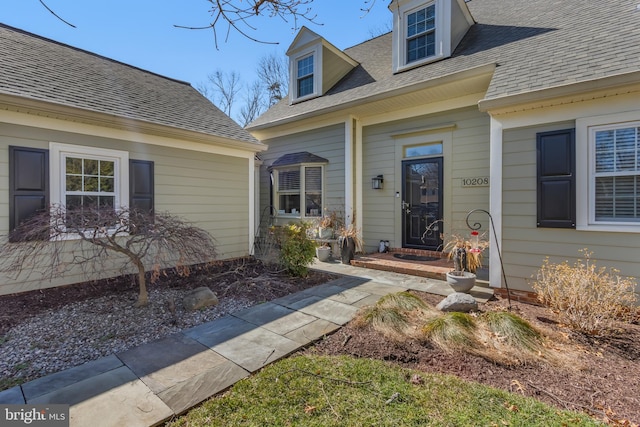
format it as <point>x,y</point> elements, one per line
<point>556,204</point>
<point>141,186</point>
<point>28,183</point>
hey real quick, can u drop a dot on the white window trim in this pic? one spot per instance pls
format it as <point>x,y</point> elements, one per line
<point>58,153</point>
<point>303,207</point>
<point>585,171</point>
<point>442,32</point>
<point>316,52</point>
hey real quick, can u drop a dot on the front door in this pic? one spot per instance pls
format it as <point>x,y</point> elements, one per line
<point>422,203</point>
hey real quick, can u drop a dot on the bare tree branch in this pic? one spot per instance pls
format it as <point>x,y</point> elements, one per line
<point>98,239</point>
<point>56,15</point>
<point>237,13</point>
<point>226,87</point>
<point>273,71</point>
<point>253,104</point>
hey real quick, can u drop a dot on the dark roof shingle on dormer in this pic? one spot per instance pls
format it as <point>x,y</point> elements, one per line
<point>40,69</point>
<point>536,45</point>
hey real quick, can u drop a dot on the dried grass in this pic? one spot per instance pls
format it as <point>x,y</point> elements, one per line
<point>588,299</point>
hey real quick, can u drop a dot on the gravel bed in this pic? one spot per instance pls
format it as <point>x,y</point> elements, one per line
<point>83,331</point>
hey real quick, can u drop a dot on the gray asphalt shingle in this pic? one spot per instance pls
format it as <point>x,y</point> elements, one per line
<point>537,44</point>
<point>40,69</point>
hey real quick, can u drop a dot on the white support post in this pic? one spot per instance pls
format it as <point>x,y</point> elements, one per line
<point>495,201</point>
<point>348,171</point>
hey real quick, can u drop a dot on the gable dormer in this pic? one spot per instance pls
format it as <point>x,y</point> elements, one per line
<point>315,65</point>
<point>427,30</point>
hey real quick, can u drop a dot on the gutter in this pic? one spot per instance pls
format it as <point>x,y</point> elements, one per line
<point>564,90</point>
<point>447,78</point>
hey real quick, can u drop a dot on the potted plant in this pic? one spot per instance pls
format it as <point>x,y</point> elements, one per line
<point>467,258</point>
<point>327,224</point>
<point>350,242</point>
<point>323,252</point>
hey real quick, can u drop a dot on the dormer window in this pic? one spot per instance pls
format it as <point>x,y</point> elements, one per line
<point>305,76</point>
<point>421,34</point>
<point>315,66</point>
<point>425,31</point>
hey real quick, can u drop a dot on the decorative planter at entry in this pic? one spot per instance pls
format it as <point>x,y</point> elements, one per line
<point>325,233</point>
<point>461,281</point>
<point>347,249</point>
<point>323,253</point>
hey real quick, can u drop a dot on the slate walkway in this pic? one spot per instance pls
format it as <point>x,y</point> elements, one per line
<point>147,385</point>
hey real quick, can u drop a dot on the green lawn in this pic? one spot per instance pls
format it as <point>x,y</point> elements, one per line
<point>344,391</point>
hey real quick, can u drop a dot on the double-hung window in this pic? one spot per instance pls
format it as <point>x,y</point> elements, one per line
<point>421,34</point>
<point>299,190</point>
<point>304,80</point>
<point>615,174</point>
<point>85,180</point>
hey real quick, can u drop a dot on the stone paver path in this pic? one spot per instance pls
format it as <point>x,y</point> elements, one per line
<point>147,385</point>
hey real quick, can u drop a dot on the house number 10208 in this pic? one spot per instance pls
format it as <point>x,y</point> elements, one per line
<point>480,181</point>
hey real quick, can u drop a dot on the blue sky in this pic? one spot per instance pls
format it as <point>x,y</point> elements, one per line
<point>142,33</point>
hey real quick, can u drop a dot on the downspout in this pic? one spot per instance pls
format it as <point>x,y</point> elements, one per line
<point>495,200</point>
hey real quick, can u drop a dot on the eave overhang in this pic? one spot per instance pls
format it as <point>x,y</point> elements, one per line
<point>50,110</point>
<point>562,94</point>
<point>480,77</point>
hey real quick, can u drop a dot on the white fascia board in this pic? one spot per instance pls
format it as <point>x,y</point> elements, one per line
<point>137,132</point>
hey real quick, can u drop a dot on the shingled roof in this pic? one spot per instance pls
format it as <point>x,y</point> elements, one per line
<point>40,69</point>
<point>536,45</point>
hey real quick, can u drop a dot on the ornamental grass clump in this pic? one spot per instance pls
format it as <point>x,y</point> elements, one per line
<point>516,331</point>
<point>394,314</point>
<point>588,299</point>
<point>452,331</point>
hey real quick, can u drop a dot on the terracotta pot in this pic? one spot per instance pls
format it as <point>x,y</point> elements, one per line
<point>461,281</point>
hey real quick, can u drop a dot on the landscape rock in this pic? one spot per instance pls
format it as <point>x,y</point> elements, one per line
<point>458,301</point>
<point>199,298</point>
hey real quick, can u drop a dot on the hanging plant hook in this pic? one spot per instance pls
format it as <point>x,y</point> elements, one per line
<point>476,226</point>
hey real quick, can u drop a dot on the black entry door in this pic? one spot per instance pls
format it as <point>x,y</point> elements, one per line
<point>422,203</point>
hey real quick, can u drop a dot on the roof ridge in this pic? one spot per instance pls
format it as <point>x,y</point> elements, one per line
<point>65,45</point>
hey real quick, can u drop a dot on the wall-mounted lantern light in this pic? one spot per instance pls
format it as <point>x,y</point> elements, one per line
<point>377,182</point>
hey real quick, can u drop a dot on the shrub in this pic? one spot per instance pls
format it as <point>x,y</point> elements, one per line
<point>588,298</point>
<point>296,249</point>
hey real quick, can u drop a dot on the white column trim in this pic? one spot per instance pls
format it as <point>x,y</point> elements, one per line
<point>348,171</point>
<point>359,178</point>
<point>252,204</point>
<point>495,201</point>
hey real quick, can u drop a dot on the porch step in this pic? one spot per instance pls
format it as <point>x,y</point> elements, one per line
<point>415,262</point>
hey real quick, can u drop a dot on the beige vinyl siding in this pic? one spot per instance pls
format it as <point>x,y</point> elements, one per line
<point>209,190</point>
<point>524,245</point>
<point>327,142</point>
<point>466,154</point>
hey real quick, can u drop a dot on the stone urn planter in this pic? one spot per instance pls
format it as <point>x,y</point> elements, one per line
<point>347,249</point>
<point>323,253</point>
<point>325,233</point>
<point>461,281</point>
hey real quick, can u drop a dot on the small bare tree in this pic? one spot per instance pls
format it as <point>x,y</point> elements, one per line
<point>253,104</point>
<point>225,89</point>
<point>51,243</point>
<point>273,72</point>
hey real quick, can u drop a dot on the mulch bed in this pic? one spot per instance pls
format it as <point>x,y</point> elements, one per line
<point>602,378</point>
